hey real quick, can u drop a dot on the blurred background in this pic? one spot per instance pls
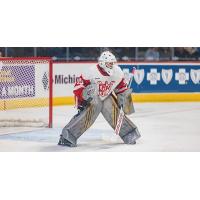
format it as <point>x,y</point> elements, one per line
<point>92,53</point>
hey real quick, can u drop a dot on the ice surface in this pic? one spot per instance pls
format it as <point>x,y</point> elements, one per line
<point>163,127</point>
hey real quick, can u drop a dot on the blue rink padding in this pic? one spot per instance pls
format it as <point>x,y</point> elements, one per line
<point>164,78</point>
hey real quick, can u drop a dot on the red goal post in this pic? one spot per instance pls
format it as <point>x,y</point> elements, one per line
<point>26,92</point>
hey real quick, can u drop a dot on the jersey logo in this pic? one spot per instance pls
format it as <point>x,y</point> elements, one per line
<point>105,88</point>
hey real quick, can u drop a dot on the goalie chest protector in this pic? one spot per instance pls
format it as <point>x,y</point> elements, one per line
<point>105,83</point>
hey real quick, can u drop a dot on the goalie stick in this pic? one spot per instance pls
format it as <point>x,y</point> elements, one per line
<point>121,113</point>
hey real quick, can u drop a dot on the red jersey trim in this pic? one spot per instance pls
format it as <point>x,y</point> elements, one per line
<point>102,71</point>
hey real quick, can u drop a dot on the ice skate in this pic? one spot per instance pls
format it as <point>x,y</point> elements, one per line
<point>63,142</point>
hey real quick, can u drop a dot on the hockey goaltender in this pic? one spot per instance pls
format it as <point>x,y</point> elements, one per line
<point>102,89</point>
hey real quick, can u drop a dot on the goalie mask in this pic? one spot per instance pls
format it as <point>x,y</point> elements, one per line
<point>107,61</point>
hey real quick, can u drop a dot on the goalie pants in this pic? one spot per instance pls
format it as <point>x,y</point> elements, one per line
<point>110,110</point>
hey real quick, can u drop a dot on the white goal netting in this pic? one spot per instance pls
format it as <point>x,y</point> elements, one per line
<point>25,92</point>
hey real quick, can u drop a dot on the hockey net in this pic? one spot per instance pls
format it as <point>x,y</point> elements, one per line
<point>26,92</point>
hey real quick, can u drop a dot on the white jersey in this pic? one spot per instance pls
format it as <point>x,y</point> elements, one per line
<point>105,84</point>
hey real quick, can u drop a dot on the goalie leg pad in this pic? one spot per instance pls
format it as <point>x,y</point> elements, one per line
<point>110,110</point>
<point>130,138</point>
<point>82,121</point>
<point>129,131</point>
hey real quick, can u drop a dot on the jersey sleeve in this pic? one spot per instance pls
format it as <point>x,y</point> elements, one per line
<point>80,84</point>
<point>121,87</point>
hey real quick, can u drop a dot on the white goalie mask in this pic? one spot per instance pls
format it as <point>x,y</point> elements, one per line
<point>107,61</point>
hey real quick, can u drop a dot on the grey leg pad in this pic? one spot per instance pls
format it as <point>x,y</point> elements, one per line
<point>81,122</point>
<point>131,137</point>
<point>110,111</point>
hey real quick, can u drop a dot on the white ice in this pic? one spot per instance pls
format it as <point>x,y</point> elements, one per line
<point>163,127</point>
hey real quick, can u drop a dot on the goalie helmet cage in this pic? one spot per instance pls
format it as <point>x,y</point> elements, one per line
<point>26,92</point>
